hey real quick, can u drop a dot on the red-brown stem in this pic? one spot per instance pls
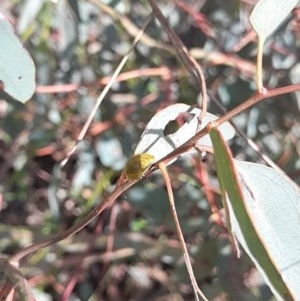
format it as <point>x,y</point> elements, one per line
<point>188,264</point>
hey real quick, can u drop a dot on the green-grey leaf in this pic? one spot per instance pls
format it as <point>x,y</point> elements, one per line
<point>154,141</point>
<point>273,202</point>
<point>229,183</point>
<point>267,15</point>
<point>17,71</point>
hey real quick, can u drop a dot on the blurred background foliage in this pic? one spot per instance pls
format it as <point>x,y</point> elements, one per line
<point>131,252</point>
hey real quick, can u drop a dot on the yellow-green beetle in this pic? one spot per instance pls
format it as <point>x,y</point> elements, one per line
<point>137,165</point>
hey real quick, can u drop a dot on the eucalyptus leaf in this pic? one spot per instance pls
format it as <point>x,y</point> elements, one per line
<point>267,15</point>
<point>273,202</point>
<point>155,142</point>
<point>17,70</point>
<point>243,223</point>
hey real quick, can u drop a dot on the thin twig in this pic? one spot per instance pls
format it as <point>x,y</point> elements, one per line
<point>104,92</point>
<point>250,142</point>
<point>120,188</point>
<point>259,62</point>
<point>256,98</point>
<point>189,62</point>
<point>188,264</point>
<point>130,27</point>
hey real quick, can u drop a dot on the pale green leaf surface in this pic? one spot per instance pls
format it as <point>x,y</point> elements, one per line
<point>267,15</point>
<point>17,71</point>
<point>153,140</point>
<point>248,235</point>
<point>274,206</point>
